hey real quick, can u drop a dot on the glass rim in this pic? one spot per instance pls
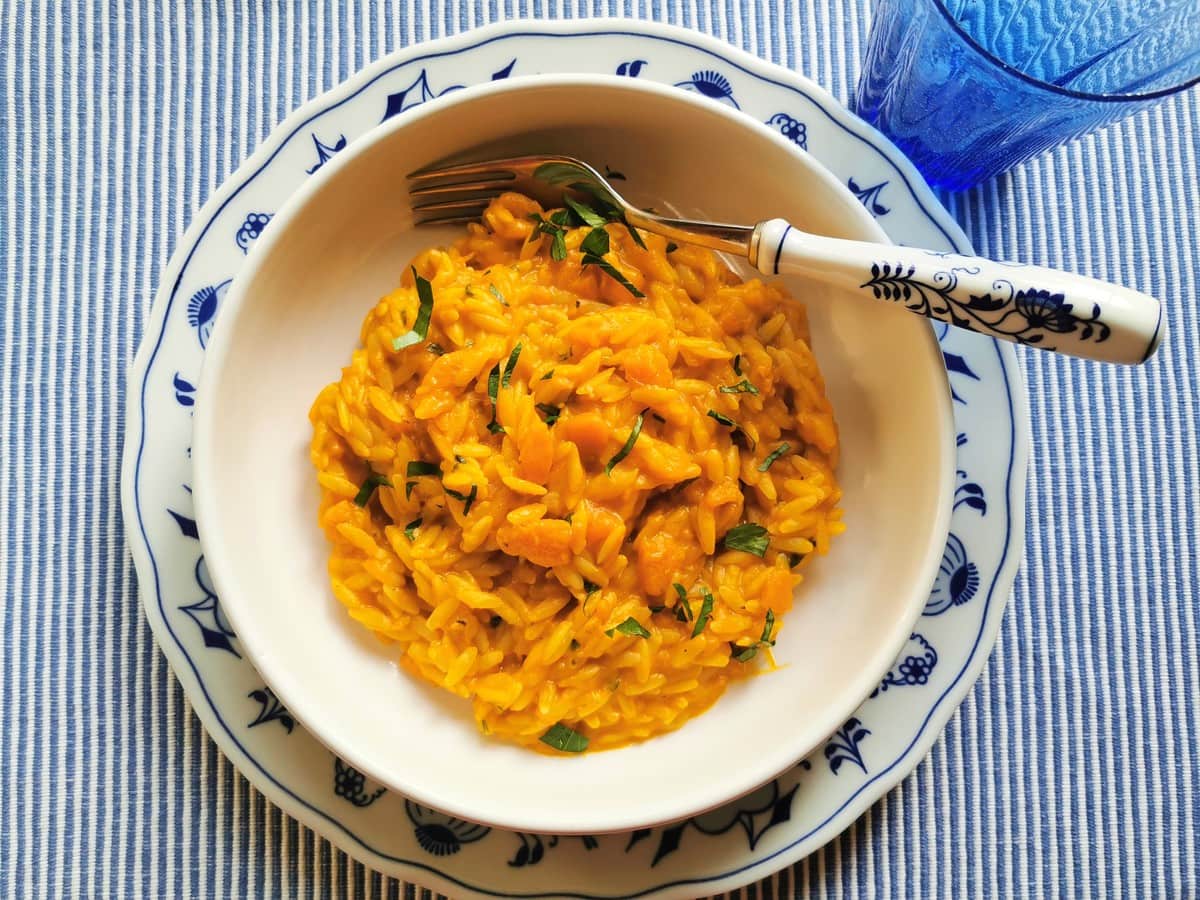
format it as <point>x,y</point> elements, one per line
<point>1054,88</point>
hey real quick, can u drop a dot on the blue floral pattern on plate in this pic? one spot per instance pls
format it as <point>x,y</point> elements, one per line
<point>747,839</point>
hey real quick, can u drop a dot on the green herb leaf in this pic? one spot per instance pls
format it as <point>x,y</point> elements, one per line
<point>568,740</point>
<point>495,291</point>
<point>613,272</point>
<point>590,587</point>
<point>633,233</point>
<point>774,455</point>
<point>418,468</point>
<point>706,609</point>
<point>410,530</point>
<point>631,627</point>
<point>467,499</point>
<point>768,627</point>
<point>435,348</point>
<point>737,364</point>
<point>547,376</point>
<point>493,389</point>
<point>629,442</point>
<point>550,411</point>
<point>374,480</point>
<point>558,242</point>
<point>596,243</point>
<point>510,365</point>
<point>742,387</point>
<point>586,214</point>
<point>421,328</point>
<point>408,489</point>
<point>723,419</point>
<point>672,246</point>
<point>683,610</point>
<point>749,538</point>
<point>744,654</point>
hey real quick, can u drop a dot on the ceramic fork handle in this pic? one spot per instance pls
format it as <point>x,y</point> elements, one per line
<point>1042,308</point>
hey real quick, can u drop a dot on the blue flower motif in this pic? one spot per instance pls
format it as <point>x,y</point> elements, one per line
<point>350,784</point>
<point>202,309</point>
<point>957,581</point>
<point>251,229</point>
<point>915,669</point>
<point>792,129</point>
<point>1042,309</point>
<point>440,834</point>
<point>710,84</point>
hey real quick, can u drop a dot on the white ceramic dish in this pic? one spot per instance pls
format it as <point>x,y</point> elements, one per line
<point>290,322</point>
<point>743,841</point>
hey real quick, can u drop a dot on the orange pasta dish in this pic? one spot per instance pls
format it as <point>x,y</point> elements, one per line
<point>575,473</point>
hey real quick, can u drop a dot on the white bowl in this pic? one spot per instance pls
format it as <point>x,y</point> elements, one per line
<point>291,321</point>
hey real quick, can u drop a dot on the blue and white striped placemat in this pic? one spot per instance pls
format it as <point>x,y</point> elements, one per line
<point>1071,769</point>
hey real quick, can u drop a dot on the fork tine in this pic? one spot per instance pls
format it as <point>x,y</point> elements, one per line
<point>488,169</point>
<point>459,210</point>
<point>446,220</point>
<point>459,187</point>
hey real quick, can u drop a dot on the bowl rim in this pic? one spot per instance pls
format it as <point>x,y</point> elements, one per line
<point>257,645</point>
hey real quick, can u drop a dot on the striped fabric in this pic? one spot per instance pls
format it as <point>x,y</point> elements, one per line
<point>1071,769</point>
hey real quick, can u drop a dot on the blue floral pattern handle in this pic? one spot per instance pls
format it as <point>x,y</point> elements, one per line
<point>1043,308</point>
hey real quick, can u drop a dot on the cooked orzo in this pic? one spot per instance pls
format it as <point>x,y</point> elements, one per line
<point>576,480</point>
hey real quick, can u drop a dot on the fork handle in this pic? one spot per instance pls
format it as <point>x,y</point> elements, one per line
<point>1043,308</point>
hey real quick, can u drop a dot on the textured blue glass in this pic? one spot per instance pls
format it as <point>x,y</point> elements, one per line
<point>971,88</point>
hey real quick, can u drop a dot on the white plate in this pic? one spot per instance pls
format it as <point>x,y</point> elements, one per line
<point>772,827</point>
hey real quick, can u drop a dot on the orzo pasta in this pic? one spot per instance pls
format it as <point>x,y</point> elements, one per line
<point>582,509</point>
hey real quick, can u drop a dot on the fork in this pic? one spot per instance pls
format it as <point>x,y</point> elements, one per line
<point>1044,308</point>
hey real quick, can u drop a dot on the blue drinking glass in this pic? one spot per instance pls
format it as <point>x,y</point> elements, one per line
<point>970,88</point>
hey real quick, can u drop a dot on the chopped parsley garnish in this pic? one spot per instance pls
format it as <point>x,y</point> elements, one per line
<point>631,627</point>
<point>590,587</point>
<point>408,489</point>
<point>435,348</point>
<point>683,611</point>
<point>410,530</point>
<point>418,468</point>
<point>586,214</point>
<point>495,292</point>
<point>550,411</point>
<point>749,537</point>
<point>596,243</point>
<point>737,364</point>
<point>742,387</point>
<point>633,233</point>
<point>745,654</point>
<point>493,389</point>
<point>629,442</point>
<point>374,480</point>
<point>613,272</point>
<point>722,419</point>
<point>420,328</point>
<point>568,740</point>
<point>547,376</point>
<point>554,228</point>
<point>467,499</point>
<point>774,455</point>
<point>510,365</point>
<point>672,246</point>
<point>706,609</point>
